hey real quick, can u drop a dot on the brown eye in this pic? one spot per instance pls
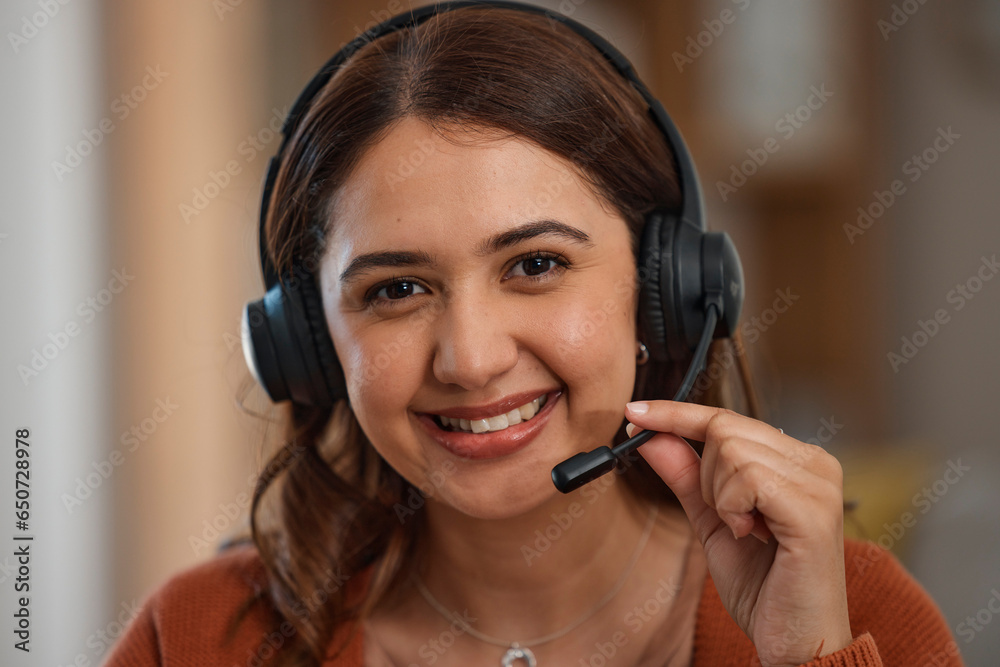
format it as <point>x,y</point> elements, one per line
<point>538,265</point>
<point>395,291</point>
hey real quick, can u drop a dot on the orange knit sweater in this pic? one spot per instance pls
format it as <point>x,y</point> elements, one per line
<point>188,621</point>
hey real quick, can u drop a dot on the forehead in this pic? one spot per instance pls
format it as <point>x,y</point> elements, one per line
<point>416,187</point>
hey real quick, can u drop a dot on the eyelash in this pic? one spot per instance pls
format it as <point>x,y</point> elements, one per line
<point>371,298</point>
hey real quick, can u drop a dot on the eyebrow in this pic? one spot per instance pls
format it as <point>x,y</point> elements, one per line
<point>410,258</point>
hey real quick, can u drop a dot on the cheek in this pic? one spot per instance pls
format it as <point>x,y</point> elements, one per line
<point>383,369</point>
<point>594,354</point>
<point>594,336</point>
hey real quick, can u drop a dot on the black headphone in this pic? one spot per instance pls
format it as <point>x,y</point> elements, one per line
<point>691,281</point>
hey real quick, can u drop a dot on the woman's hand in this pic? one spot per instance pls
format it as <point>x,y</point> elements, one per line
<point>788,594</point>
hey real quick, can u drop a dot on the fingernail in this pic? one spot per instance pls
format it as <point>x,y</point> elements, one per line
<point>638,407</point>
<point>630,428</point>
<point>762,539</point>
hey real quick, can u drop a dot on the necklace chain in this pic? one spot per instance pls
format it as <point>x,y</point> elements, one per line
<point>452,616</point>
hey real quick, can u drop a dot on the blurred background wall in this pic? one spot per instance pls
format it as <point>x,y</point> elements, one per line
<point>849,147</point>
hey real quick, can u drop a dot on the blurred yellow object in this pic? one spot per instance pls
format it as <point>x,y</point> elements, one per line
<point>885,489</point>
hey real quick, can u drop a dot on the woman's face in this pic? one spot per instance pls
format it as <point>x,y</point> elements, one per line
<point>465,281</point>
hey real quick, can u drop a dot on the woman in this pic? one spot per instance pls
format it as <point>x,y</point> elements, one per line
<point>466,197</point>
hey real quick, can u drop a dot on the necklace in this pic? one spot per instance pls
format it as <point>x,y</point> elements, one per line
<point>520,650</point>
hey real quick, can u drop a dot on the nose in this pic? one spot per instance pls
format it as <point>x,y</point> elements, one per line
<point>475,343</point>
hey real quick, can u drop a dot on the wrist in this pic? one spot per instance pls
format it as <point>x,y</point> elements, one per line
<point>804,650</point>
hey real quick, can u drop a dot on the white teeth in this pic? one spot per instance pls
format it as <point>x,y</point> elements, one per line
<point>498,423</point>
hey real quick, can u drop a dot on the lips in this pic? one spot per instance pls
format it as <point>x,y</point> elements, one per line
<point>498,423</point>
<point>496,409</point>
<point>492,444</point>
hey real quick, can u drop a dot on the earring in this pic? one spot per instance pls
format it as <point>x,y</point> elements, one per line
<point>642,355</point>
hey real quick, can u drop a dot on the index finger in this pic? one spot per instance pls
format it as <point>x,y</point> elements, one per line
<point>688,420</point>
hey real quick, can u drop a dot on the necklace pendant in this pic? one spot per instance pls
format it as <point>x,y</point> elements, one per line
<point>518,652</point>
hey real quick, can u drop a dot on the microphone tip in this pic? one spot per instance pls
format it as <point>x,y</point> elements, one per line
<point>583,468</point>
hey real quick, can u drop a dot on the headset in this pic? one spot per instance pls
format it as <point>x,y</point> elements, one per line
<point>691,293</point>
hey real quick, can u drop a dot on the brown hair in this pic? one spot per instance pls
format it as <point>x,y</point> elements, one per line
<point>332,497</point>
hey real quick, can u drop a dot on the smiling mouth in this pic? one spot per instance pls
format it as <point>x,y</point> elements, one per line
<point>500,422</point>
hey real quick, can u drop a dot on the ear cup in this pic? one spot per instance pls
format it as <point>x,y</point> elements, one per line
<point>649,265</point>
<point>671,303</point>
<point>327,368</point>
<point>260,350</point>
<point>288,347</point>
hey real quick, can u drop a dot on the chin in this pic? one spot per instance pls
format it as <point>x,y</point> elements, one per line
<point>496,497</point>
